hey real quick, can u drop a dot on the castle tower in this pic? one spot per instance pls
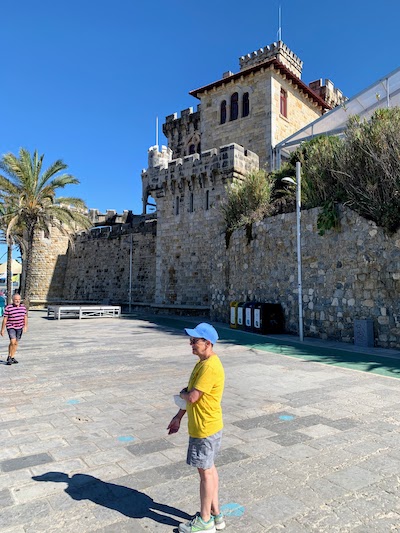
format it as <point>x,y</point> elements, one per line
<point>259,106</point>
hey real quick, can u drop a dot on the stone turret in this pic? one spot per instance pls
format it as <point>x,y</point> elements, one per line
<point>183,133</point>
<point>328,92</point>
<point>159,159</point>
<point>278,51</point>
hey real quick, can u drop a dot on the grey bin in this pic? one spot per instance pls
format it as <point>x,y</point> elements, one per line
<point>364,333</point>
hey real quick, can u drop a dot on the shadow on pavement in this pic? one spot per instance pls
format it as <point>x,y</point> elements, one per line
<point>129,502</point>
<point>365,362</point>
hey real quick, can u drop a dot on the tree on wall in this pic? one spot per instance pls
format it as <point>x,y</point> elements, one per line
<point>360,170</point>
<point>30,196</point>
<point>247,201</point>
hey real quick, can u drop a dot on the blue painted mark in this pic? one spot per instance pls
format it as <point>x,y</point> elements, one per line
<point>125,439</point>
<point>72,402</point>
<point>232,509</point>
<point>286,417</point>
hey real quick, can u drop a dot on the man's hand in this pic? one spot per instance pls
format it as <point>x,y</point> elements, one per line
<point>25,329</point>
<point>2,332</point>
<point>174,425</point>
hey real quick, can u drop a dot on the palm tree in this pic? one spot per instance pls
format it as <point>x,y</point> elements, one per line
<point>30,198</point>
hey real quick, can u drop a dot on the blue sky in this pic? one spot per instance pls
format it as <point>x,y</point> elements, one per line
<point>84,80</point>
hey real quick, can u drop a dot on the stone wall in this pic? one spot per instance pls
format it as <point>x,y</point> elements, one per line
<point>49,258</point>
<point>189,192</point>
<point>301,109</point>
<point>98,267</point>
<point>353,274</point>
<point>264,126</point>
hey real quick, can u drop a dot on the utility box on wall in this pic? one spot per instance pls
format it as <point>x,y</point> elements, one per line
<point>364,333</point>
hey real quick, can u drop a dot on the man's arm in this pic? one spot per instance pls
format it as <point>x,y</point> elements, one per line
<point>175,423</point>
<point>191,396</point>
<point>3,326</point>
<point>25,323</point>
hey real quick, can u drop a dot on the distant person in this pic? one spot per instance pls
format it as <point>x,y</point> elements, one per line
<point>203,397</point>
<point>16,321</point>
<point>2,302</point>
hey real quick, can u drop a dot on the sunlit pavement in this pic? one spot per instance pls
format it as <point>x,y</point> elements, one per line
<point>307,446</point>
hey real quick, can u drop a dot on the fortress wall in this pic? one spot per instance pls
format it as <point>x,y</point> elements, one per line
<point>50,260</point>
<point>189,192</point>
<point>98,268</point>
<point>354,274</point>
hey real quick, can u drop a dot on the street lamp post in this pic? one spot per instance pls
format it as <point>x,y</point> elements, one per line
<point>298,227</point>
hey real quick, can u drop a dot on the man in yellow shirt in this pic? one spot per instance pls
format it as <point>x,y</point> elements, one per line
<point>203,397</point>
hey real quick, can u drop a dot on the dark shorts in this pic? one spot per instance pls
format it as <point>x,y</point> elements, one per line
<point>14,333</point>
<point>203,452</point>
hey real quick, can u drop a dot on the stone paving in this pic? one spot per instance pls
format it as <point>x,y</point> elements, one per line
<point>307,447</point>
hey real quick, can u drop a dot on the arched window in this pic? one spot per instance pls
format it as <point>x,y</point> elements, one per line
<point>223,112</point>
<point>192,149</point>
<point>245,105</point>
<point>283,103</point>
<point>234,106</point>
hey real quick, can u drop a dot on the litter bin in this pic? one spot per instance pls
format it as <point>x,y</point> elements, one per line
<point>268,318</point>
<point>233,318</point>
<point>240,315</point>
<point>249,316</point>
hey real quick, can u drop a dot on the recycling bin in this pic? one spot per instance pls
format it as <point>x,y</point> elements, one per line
<point>249,316</point>
<point>233,315</point>
<point>268,318</point>
<point>240,315</point>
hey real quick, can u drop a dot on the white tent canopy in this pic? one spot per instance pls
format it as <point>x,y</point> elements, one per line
<point>16,267</point>
<point>383,93</point>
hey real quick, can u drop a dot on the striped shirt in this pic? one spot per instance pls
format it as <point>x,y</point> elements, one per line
<point>15,316</point>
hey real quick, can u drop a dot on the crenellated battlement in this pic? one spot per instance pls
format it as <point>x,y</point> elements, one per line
<point>328,92</point>
<point>230,159</point>
<point>277,50</point>
<point>185,113</point>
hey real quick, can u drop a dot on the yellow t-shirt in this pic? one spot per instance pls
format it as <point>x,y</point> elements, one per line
<point>205,415</point>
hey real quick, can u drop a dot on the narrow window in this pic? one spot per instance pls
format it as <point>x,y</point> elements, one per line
<point>234,106</point>
<point>177,205</point>
<point>199,148</point>
<point>191,209</point>
<point>192,149</point>
<point>223,112</point>
<point>207,200</point>
<point>283,106</point>
<point>245,105</point>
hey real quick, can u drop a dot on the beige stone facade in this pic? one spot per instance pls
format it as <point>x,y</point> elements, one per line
<point>182,260</point>
<point>349,275</point>
<point>189,192</point>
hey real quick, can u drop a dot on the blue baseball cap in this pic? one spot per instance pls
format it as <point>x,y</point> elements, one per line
<point>203,331</point>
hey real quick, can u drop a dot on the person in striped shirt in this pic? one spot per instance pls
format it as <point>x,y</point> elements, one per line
<point>16,321</point>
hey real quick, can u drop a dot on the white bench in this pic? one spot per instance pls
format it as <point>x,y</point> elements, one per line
<point>83,311</point>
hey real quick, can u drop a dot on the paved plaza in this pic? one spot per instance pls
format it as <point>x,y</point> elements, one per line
<point>307,446</point>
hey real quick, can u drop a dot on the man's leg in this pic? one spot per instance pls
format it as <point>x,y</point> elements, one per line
<point>215,501</point>
<point>208,492</point>
<point>12,348</point>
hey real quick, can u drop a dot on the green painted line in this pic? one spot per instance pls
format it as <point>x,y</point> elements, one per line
<point>361,361</point>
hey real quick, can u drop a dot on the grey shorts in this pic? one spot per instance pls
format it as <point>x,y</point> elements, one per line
<point>203,452</point>
<point>14,333</point>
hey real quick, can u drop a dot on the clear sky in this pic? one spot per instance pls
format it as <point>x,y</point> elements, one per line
<point>84,80</point>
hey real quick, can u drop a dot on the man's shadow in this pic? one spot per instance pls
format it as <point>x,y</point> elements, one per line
<point>129,502</point>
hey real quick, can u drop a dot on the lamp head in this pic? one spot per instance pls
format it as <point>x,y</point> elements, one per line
<point>289,180</point>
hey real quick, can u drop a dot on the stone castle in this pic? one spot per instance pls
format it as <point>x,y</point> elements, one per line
<point>177,258</point>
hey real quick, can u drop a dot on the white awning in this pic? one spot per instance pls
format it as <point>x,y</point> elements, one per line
<point>383,93</point>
